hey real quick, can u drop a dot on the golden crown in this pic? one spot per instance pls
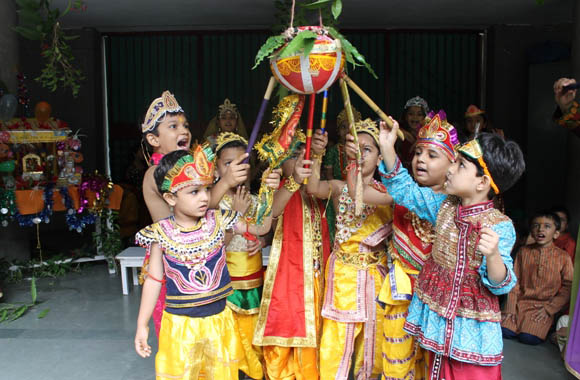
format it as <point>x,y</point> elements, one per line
<point>368,126</point>
<point>227,106</point>
<point>158,108</point>
<point>342,118</point>
<point>228,137</point>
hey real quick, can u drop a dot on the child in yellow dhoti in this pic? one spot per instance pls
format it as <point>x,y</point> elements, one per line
<point>352,322</point>
<point>199,336</point>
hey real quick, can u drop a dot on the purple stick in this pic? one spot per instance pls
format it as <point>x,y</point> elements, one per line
<point>256,127</point>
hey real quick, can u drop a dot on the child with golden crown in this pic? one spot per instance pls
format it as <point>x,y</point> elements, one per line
<point>198,336</point>
<point>356,269</point>
<point>454,312</point>
<point>165,129</point>
<point>243,254</point>
<point>410,247</point>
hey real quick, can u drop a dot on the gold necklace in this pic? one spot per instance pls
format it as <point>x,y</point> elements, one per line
<point>423,229</point>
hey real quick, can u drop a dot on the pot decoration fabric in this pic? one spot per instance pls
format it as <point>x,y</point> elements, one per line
<point>314,71</point>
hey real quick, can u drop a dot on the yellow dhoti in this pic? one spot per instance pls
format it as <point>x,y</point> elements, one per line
<point>198,348</point>
<point>403,358</point>
<point>352,323</point>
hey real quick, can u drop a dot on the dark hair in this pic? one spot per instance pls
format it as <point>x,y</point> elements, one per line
<point>231,144</point>
<point>547,214</point>
<point>504,160</point>
<point>155,130</point>
<point>563,209</point>
<point>166,164</point>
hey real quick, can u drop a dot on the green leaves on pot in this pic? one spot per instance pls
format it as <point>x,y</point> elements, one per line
<point>302,43</point>
<point>351,53</point>
<point>271,44</point>
<point>335,6</point>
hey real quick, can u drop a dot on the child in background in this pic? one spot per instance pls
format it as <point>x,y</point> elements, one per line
<point>412,119</point>
<point>565,241</point>
<point>352,322</point>
<point>455,309</point>
<point>243,256</point>
<point>198,335</point>
<point>544,274</point>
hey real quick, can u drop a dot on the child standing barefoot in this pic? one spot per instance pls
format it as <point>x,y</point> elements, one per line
<point>455,312</point>
<point>198,336</point>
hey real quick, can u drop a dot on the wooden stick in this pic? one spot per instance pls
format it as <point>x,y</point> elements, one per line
<point>309,129</point>
<point>371,104</point>
<point>260,116</point>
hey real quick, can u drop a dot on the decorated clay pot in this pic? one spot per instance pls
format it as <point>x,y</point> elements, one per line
<point>313,73</point>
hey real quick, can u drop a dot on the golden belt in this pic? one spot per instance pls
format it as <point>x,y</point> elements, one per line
<point>361,260</point>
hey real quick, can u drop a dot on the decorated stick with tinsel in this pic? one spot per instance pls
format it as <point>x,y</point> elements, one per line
<point>256,127</point>
<point>324,108</point>
<point>349,115</point>
<point>309,128</point>
<point>371,104</point>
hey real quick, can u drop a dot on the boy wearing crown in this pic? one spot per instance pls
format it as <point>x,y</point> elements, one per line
<point>454,312</point>
<point>352,322</point>
<point>165,129</point>
<point>198,336</point>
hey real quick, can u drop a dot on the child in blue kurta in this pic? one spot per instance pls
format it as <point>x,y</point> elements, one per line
<point>455,310</point>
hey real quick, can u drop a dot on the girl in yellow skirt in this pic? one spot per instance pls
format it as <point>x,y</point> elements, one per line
<point>199,338</point>
<point>243,255</point>
<point>352,322</point>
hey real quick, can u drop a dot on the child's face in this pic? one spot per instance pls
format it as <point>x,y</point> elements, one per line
<point>370,154</point>
<point>471,123</point>
<point>429,165</point>
<point>174,134</point>
<point>226,156</point>
<point>563,221</point>
<point>190,202</point>
<point>414,117</point>
<point>228,122</point>
<point>342,132</point>
<point>288,165</point>
<point>544,231</point>
<point>462,179</point>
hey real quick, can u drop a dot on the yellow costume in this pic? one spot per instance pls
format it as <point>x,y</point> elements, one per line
<point>247,278</point>
<point>356,269</point>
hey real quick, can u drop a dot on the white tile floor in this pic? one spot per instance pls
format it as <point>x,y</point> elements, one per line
<point>88,334</point>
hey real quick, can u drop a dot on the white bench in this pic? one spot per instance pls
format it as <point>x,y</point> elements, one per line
<point>131,257</point>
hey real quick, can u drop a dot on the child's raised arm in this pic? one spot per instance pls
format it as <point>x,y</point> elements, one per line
<point>316,187</point>
<point>497,268</point>
<point>236,174</point>
<point>151,289</point>
<point>371,196</point>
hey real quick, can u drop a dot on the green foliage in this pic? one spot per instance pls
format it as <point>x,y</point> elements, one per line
<point>11,312</point>
<point>301,43</point>
<point>107,237</point>
<point>351,53</point>
<point>302,15</point>
<point>271,44</point>
<point>39,22</point>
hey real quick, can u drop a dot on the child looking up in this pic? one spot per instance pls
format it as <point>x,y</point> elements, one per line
<point>198,335</point>
<point>352,322</point>
<point>455,309</point>
<point>544,274</point>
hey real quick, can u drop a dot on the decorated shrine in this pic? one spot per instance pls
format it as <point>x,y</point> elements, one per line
<point>41,172</point>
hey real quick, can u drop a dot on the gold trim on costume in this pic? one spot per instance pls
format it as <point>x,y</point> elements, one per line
<point>311,338</point>
<point>238,310</point>
<point>197,296</point>
<point>247,284</point>
<point>200,303</point>
<point>360,260</point>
